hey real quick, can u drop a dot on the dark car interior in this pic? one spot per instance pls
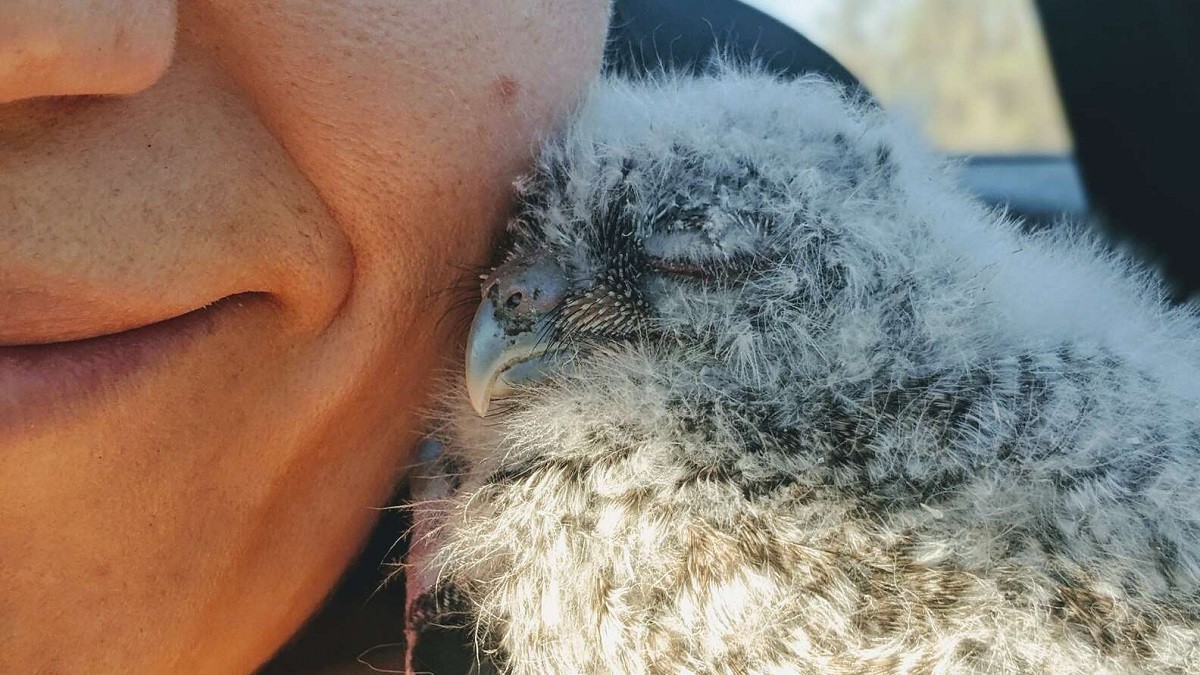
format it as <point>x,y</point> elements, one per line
<point>1129,77</point>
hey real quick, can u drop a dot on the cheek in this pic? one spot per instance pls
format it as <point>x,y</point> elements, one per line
<point>691,309</point>
<point>410,118</point>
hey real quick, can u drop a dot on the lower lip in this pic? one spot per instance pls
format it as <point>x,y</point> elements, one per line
<point>39,381</point>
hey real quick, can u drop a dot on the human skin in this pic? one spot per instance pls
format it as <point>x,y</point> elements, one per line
<point>333,165</point>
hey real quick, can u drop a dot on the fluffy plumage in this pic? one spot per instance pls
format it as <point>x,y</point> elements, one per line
<point>821,412</point>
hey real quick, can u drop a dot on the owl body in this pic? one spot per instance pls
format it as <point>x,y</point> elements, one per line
<point>808,408</point>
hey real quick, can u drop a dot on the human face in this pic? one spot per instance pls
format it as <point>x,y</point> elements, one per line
<point>300,185</point>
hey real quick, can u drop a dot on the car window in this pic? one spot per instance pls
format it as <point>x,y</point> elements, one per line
<point>974,73</point>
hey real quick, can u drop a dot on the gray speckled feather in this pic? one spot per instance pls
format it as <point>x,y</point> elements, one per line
<point>811,409</point>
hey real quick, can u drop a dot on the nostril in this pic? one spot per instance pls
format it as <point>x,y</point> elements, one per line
<point>524,290</point>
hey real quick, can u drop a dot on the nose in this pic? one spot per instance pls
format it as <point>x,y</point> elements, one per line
<point>524,290</point>
<point>67,47</point>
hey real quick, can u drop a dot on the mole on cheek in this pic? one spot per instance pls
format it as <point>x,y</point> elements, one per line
<point>505,90</point>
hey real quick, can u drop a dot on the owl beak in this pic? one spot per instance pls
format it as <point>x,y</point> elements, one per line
<point>497,361</point>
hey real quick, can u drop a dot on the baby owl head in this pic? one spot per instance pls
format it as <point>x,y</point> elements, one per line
<point>724,236</point>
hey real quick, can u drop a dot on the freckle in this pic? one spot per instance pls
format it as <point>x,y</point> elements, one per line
<point>505,90</point>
